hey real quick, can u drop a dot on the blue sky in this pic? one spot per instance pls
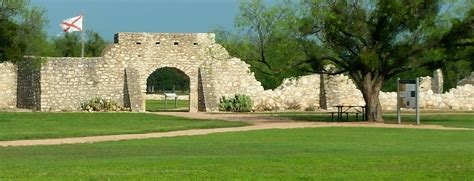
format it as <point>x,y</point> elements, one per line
<point>110,16</point>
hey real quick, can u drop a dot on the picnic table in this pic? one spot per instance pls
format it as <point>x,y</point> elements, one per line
<point>349,109</point>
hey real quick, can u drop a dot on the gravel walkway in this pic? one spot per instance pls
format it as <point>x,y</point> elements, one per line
<point>260,122</point>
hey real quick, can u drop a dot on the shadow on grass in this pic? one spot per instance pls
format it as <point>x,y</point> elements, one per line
<point>317,117</point>
<point>461,120</point>
<point>168,110</point>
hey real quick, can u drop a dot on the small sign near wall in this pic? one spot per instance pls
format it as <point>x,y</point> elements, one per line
<point>408,97</point>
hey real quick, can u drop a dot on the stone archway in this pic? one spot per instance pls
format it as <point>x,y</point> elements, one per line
<point>136,84</point>
<point>167,79</point>
<point>143,53</point>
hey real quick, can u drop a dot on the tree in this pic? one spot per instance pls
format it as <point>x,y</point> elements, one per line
<point>373,41</point>
<point>265,40</point>
<point>32,23</point>
<point>95,44</point>
<point>458,49</point>
<point>168,79</point>
<point>11,46</point>
<point>70,44</point>
<point>21,31</point>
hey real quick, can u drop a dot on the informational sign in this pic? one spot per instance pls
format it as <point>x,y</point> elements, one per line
<point>171,95</point>
<point>408,97</point>
<point>407,91</point>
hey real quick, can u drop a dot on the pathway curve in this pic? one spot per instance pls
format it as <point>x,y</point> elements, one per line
<point>260,122</point>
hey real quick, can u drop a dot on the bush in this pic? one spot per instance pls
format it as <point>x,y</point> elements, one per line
<point>310,108</point>
<point>238,103</point>
<point>293,105</point>
<point>100,104</point>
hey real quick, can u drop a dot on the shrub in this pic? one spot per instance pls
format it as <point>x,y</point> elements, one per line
<point>293,105</point>
<point>238,103</point>
<point>100,104</point>
<point>225,104</point>
<point>310,108</point>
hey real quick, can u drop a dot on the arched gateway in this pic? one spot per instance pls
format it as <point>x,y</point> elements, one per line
<point>143,53</point>
<point>121,73</point>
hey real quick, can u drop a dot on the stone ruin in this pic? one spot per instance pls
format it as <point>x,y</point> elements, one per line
<point>62,83</point>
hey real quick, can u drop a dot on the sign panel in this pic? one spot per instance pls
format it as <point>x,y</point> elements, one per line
<point>172,95</point>
<point>407,97</point>
<point>407,94</point>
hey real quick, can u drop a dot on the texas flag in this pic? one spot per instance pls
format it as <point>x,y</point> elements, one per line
<point>72,24</point>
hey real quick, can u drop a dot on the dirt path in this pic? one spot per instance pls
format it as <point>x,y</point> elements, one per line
<point>260,122</point>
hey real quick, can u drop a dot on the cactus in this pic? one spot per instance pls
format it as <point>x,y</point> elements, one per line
<point>238,103</point>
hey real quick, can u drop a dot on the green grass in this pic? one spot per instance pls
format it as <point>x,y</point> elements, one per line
<point>15,126</point>
<point>448,119</point>
<point>460,120</point>
<point>159,105</point>
<point>292,154</point>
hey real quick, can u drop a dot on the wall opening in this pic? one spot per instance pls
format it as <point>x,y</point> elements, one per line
<point>163,83</point>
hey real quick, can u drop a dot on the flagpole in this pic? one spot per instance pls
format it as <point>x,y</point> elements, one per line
<point>82,34</point>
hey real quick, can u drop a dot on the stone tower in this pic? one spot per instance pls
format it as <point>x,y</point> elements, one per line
<point>437,82</point>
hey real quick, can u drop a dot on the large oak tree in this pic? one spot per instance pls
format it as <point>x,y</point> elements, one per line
<point>373,41</point>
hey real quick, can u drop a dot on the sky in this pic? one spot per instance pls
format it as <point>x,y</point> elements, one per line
<point>108,17</point>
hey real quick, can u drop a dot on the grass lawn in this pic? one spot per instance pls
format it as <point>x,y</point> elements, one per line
<point>159,105</point>
<point>448,119</point>
<point>36,125</point>
<point>462,120</point>
<point>292,154</point>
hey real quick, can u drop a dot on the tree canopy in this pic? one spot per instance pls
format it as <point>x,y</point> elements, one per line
<point>70,45</point>
<point>265,39</point>
<point>12,46</point>
<point>168,79</point>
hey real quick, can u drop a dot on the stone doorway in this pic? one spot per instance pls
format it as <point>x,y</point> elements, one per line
<point>167,81</point>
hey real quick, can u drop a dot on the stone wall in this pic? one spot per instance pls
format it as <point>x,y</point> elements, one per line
<point>467,80</point>
<point>340,90</point>
<point>8,84</point>
<point>227,77</point>
<point>28,84</point>
<point>460,98</point>
<point>67,82</point>
<point>293,94</point>
<point>62,84</point>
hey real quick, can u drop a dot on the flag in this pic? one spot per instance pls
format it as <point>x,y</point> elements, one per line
<point>72,24</point>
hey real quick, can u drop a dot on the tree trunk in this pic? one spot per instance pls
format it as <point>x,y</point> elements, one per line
<point>370,89</point>
<point>322,92</point>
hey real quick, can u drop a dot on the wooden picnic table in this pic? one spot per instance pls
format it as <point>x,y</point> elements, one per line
<point>347,109</point>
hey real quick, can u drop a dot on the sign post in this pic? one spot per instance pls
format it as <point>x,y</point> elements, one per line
<point>417,101</point>
<point>171,95</point>
<point>408,97</point>
<point>399,119</point>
